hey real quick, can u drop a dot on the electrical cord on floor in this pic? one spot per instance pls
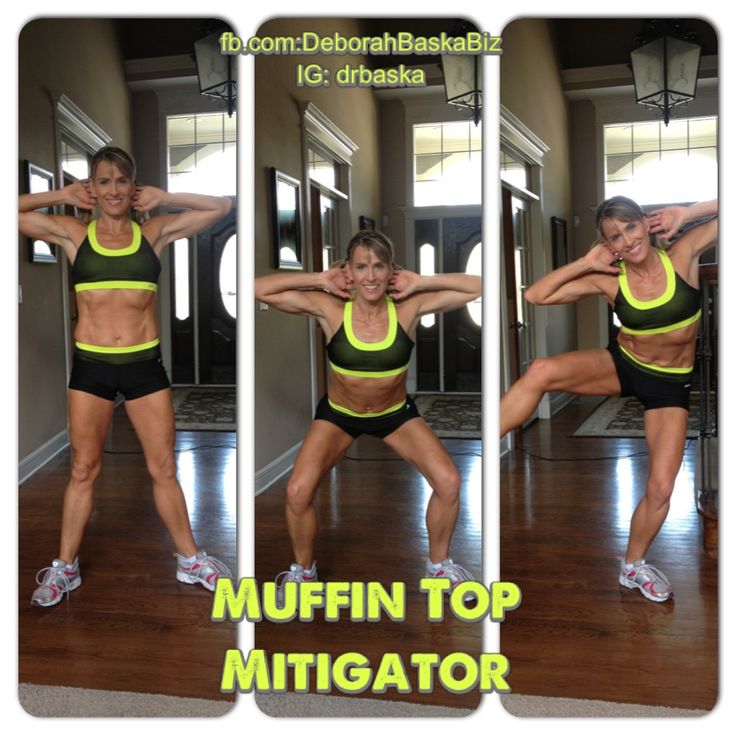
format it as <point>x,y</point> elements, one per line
<point>176,449</point>
<point>589,459</point>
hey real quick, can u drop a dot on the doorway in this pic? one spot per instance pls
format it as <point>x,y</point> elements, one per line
<point>516,275</point>
<point>203,309</point>
<point>449,345</point>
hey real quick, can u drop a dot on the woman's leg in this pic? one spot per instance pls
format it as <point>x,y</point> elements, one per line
<point>666,431</point>
<point>321,450</point>
<point>152,417</point>
<point>420,447</point>
<point>89,420</point>
<point>582,372</point>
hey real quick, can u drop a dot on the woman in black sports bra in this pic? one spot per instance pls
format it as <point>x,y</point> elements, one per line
<point>654,292</point>
<point>115,268</point>
<point>369,346</point>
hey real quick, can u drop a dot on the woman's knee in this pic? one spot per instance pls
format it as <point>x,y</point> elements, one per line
<point>85,469</point>
<point>542,373</point>
<point>162,469</point>
<point>447,483</point>
<point>299,493</point>
<point>659,490</point>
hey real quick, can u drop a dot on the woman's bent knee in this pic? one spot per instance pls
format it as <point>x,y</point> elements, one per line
<point>299,494</point>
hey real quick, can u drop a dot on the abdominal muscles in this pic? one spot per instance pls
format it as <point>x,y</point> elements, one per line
<point>116,317</point>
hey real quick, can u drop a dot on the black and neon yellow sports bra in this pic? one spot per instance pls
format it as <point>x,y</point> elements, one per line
<point>677,307</point>
<point>352,357</point>
<point>134,267</point>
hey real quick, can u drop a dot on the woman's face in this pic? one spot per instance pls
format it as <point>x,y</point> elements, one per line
<point>112,188</point>
<point>626,239</point>
<point>369,273</point>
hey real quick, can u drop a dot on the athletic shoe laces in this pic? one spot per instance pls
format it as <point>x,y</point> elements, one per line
<point>456,573</point>
<point>651,573</point>
<point>295,574</point>
<point>55,579</point>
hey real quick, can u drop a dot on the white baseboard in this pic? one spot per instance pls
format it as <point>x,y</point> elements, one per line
<point>38,458</point>
<point>276,469</point>
<point>559,401</point>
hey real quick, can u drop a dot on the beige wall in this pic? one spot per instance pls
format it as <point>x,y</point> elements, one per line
<point>92,77</point>
<point>531,89</point>
<point>584,155</point>
<point>283,406</point>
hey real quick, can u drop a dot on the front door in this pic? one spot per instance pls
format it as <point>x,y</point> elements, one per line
<point>204,293</point>
<point>449,345</point>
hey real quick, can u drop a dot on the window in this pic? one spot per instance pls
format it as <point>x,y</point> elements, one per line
<point>654,164</point>
<point>447,164</point>
<point>201,153</point>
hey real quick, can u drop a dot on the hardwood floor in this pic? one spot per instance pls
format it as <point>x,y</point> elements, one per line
<point>371,511</point>
<point>130,626</point>
<point>578,633</point>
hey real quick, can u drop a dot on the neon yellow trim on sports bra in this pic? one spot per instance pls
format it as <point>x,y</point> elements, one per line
<point>651,366</point>
<point>92,285</point>
<point>117,350</point>
<point>128,250</point>
<point>662,330</point>
<point>669,291</point>
<point>369,374</point>
<point>368,414</point>
<point>359,344</point>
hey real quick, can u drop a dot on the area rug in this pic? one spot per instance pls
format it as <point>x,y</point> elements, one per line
<point>624,417</point>
<point>209,408</point>
<point>452,416</point>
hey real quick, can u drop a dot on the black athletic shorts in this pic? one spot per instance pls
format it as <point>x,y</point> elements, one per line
<point>133,380</point>
<point>378,426</point>
<point>656,390</point>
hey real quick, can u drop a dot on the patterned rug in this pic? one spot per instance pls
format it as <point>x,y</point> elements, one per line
<point>624,417</point>
<point>209,408</point>
<point>451,416</point>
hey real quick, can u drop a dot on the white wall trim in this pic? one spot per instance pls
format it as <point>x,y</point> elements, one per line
<point>35,460</point>
<point>265,477</point>
<point>522,139</point>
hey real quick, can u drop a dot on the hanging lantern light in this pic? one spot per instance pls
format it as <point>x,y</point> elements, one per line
<point>464,76</point>
<point>665,63</point>
<point>215,70</point>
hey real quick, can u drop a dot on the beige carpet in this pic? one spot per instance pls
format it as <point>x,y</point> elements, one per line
<point>532,706</point>
<point>43,700</point>
<point>46,701</point>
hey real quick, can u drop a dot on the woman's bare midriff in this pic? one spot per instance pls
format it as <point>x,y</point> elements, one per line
<point>364,395</point>
<point>670,350</point>
<point>116,317</point>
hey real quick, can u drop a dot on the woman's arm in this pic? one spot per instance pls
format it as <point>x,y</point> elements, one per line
<point>575,280</point>
<point>61,229</point>
<point>439,293</point>
<point>200,211</point>
<point>303,292</point>
<point>668,220</point>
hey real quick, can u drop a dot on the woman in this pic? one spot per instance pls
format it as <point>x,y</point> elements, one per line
<point>369,346</point>
<point>654,292</point>
<point>115,267</point>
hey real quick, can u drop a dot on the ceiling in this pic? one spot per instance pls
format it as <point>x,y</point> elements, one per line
<point>591,42</point>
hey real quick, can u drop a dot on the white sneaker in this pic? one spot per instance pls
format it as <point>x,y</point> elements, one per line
<point>58,579</point>
<point>205,570</point>
<point>651,582</point>
<point>295,574</point>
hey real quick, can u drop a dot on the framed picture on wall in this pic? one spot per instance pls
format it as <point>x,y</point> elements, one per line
<point>287,242</point>
<point>39,180</point>
<point>559,242</point>
<point>366,223</point>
